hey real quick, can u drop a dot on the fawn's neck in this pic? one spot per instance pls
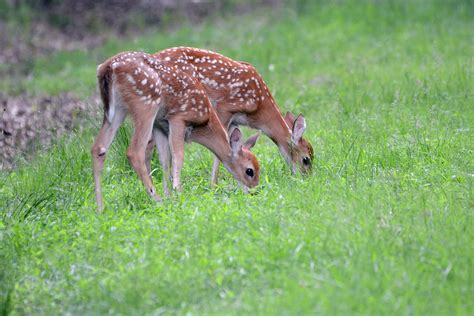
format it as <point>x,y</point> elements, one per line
<point>215,138</point>
<point>274,126</point>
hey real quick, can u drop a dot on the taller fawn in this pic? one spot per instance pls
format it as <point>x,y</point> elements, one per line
<point>174,107</point>
<point>241,97</point>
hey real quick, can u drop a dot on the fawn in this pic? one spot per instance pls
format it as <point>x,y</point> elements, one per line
<point>174,107</point>
<point>241,97</point>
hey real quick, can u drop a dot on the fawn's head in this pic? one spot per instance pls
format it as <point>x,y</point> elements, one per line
<point>301,151</point>
<point>244,165</point>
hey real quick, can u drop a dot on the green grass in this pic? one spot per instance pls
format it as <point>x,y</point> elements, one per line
<point>384,226</point>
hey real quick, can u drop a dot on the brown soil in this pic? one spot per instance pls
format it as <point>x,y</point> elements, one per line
<point>31,124</point>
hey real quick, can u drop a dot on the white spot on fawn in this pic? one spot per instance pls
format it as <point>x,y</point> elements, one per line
<point>130,79</point>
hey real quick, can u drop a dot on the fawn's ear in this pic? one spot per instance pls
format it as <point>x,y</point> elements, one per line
<point>298,129</point>
<point>236,141</point>
<point>251,141</point>
<point>289,119</point>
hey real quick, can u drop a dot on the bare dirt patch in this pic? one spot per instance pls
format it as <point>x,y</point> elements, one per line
<point>31,124</point>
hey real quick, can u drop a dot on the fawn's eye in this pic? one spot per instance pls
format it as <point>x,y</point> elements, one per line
<point>249,172</point>
<point>306,161</point>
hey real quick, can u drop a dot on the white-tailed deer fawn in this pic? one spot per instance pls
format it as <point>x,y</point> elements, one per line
<point>241,97</point>
<point>172,106</point>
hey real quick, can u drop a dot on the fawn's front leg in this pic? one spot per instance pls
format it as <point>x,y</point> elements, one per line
<point>164,154</point>
<point>176,145</point>
<point>149,155</point>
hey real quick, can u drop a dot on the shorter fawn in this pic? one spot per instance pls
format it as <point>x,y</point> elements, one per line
<point>173,107</point>
<point>241,97</point>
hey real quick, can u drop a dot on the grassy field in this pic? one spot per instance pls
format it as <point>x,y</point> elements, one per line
<point>384,225</point>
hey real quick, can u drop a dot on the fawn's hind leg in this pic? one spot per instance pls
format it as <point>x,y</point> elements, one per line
<point>102,142</point>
